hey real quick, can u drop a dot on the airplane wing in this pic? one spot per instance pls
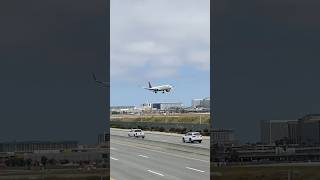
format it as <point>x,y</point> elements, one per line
<point>150,89</point>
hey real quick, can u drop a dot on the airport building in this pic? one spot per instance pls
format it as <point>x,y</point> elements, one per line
<point>196,103</point>
<point>124,110</point>
<point>201,103</point>
<point>101,138</point>
<point>146,107</point>
<point>309,129</point>
<point>305,130</point>
<point>166,105</point>
<point>276,130</point>
<point>293,132</point>
<point>223,136</point>
<point>35,146</point>
<point>115,108</point>
<point>74,156</point>
<point>205,103</point>
<point>261,154</point>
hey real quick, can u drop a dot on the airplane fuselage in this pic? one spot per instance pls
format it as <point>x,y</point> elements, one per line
<point>162,88</point>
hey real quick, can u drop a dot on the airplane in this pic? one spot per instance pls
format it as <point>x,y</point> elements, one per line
<point>163,88</point>
<point>103,84</point>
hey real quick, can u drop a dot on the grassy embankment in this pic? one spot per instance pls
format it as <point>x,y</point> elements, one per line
<point>52,174</point>
<point>180,118</point>
<point>156,118</point>
<point>267,173</point>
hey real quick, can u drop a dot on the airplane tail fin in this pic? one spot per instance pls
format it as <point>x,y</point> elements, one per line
<point>105,84</point>
<point>94,77</point>
<point>149,85</point>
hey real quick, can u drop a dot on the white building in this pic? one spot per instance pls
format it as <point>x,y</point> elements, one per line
<point>275,130</point>
<point>125,110</point>
<point>196,103</point>
<point>201,103</point>
<point>205,103</point>
<point>223,136</point>
<point>166,105</point>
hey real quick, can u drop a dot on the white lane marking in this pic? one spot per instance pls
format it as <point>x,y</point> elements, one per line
<point>143,156</point>
<point>170,154</point>
<point>195,169</point>
<point>155,173</point>
<point>113,148</point>
<point>114,158</point>
<point>198,145</point>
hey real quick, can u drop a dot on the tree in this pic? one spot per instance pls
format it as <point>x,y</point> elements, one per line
<point>44,160</point>
<point>52,161</point>
<point>28,163</point>
<point>234,156</point>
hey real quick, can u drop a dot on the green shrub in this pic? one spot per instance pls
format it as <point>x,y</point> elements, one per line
<point>161,129</point>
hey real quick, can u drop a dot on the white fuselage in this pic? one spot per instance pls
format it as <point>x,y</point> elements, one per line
<point>163,88</point>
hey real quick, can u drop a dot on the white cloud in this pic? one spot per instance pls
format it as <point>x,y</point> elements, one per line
<point>154,38</point>
<point>146,48</point>
<point>200,58</point>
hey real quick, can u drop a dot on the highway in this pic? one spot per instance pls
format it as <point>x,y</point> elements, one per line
<point>139,159</point>
<point>164,137</point>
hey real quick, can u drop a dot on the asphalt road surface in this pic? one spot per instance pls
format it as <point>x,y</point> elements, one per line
<point>164,137</point>
<point>139,159</point>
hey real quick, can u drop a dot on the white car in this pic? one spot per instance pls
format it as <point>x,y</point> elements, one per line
<point>136,133</point>
<point>192,137</point>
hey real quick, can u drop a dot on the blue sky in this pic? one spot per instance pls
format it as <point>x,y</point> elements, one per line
<point>165,41</point>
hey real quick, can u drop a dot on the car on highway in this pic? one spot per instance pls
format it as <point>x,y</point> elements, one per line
<point>136,133</point>
<point>192,137</point>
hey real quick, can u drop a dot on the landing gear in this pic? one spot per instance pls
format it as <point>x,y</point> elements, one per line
<point>162,91</point>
